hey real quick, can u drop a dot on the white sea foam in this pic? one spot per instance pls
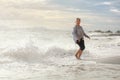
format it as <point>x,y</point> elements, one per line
<point>49,55</point>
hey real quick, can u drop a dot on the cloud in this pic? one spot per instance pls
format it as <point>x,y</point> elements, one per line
<point>115,10</point>
<point>106,3</point>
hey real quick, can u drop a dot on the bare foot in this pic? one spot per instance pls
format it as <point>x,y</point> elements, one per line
<point>77,57</point>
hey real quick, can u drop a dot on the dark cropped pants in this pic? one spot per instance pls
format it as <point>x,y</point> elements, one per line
<point>81,44</point>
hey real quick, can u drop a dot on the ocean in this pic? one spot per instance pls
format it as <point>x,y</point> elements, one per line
<point>46,54</point>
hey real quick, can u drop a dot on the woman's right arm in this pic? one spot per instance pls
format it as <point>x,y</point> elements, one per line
<point>75,34</point>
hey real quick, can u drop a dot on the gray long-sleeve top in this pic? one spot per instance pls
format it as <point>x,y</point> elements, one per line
<point>78,33</point>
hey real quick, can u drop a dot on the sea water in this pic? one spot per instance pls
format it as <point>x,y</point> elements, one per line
<point>45,54</point>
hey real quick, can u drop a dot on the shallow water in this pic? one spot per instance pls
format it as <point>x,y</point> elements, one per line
<point>44,54</point>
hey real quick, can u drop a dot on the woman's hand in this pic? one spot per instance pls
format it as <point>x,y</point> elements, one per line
<point>77,41</point>
<point>89,38</point>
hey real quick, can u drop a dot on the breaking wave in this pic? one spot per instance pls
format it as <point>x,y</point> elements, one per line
<point>32,53</point>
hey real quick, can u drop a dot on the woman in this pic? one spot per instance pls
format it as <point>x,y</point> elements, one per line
<point>78,36</point>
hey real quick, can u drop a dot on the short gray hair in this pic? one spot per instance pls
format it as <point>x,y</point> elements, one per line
<point>78,19</point>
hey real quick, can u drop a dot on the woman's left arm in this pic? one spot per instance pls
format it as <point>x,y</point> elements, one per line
<point>85,34</point>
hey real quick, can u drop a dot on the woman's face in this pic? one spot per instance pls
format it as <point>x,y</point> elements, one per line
<point>78,21</point>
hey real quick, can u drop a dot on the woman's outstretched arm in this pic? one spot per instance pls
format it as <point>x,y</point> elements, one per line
<point>85,34</point>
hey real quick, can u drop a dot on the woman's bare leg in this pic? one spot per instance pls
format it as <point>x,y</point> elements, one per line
<point>79,53</point>
<point>76,55</point>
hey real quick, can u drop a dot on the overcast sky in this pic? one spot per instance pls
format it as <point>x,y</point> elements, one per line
<point>60,14</point>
